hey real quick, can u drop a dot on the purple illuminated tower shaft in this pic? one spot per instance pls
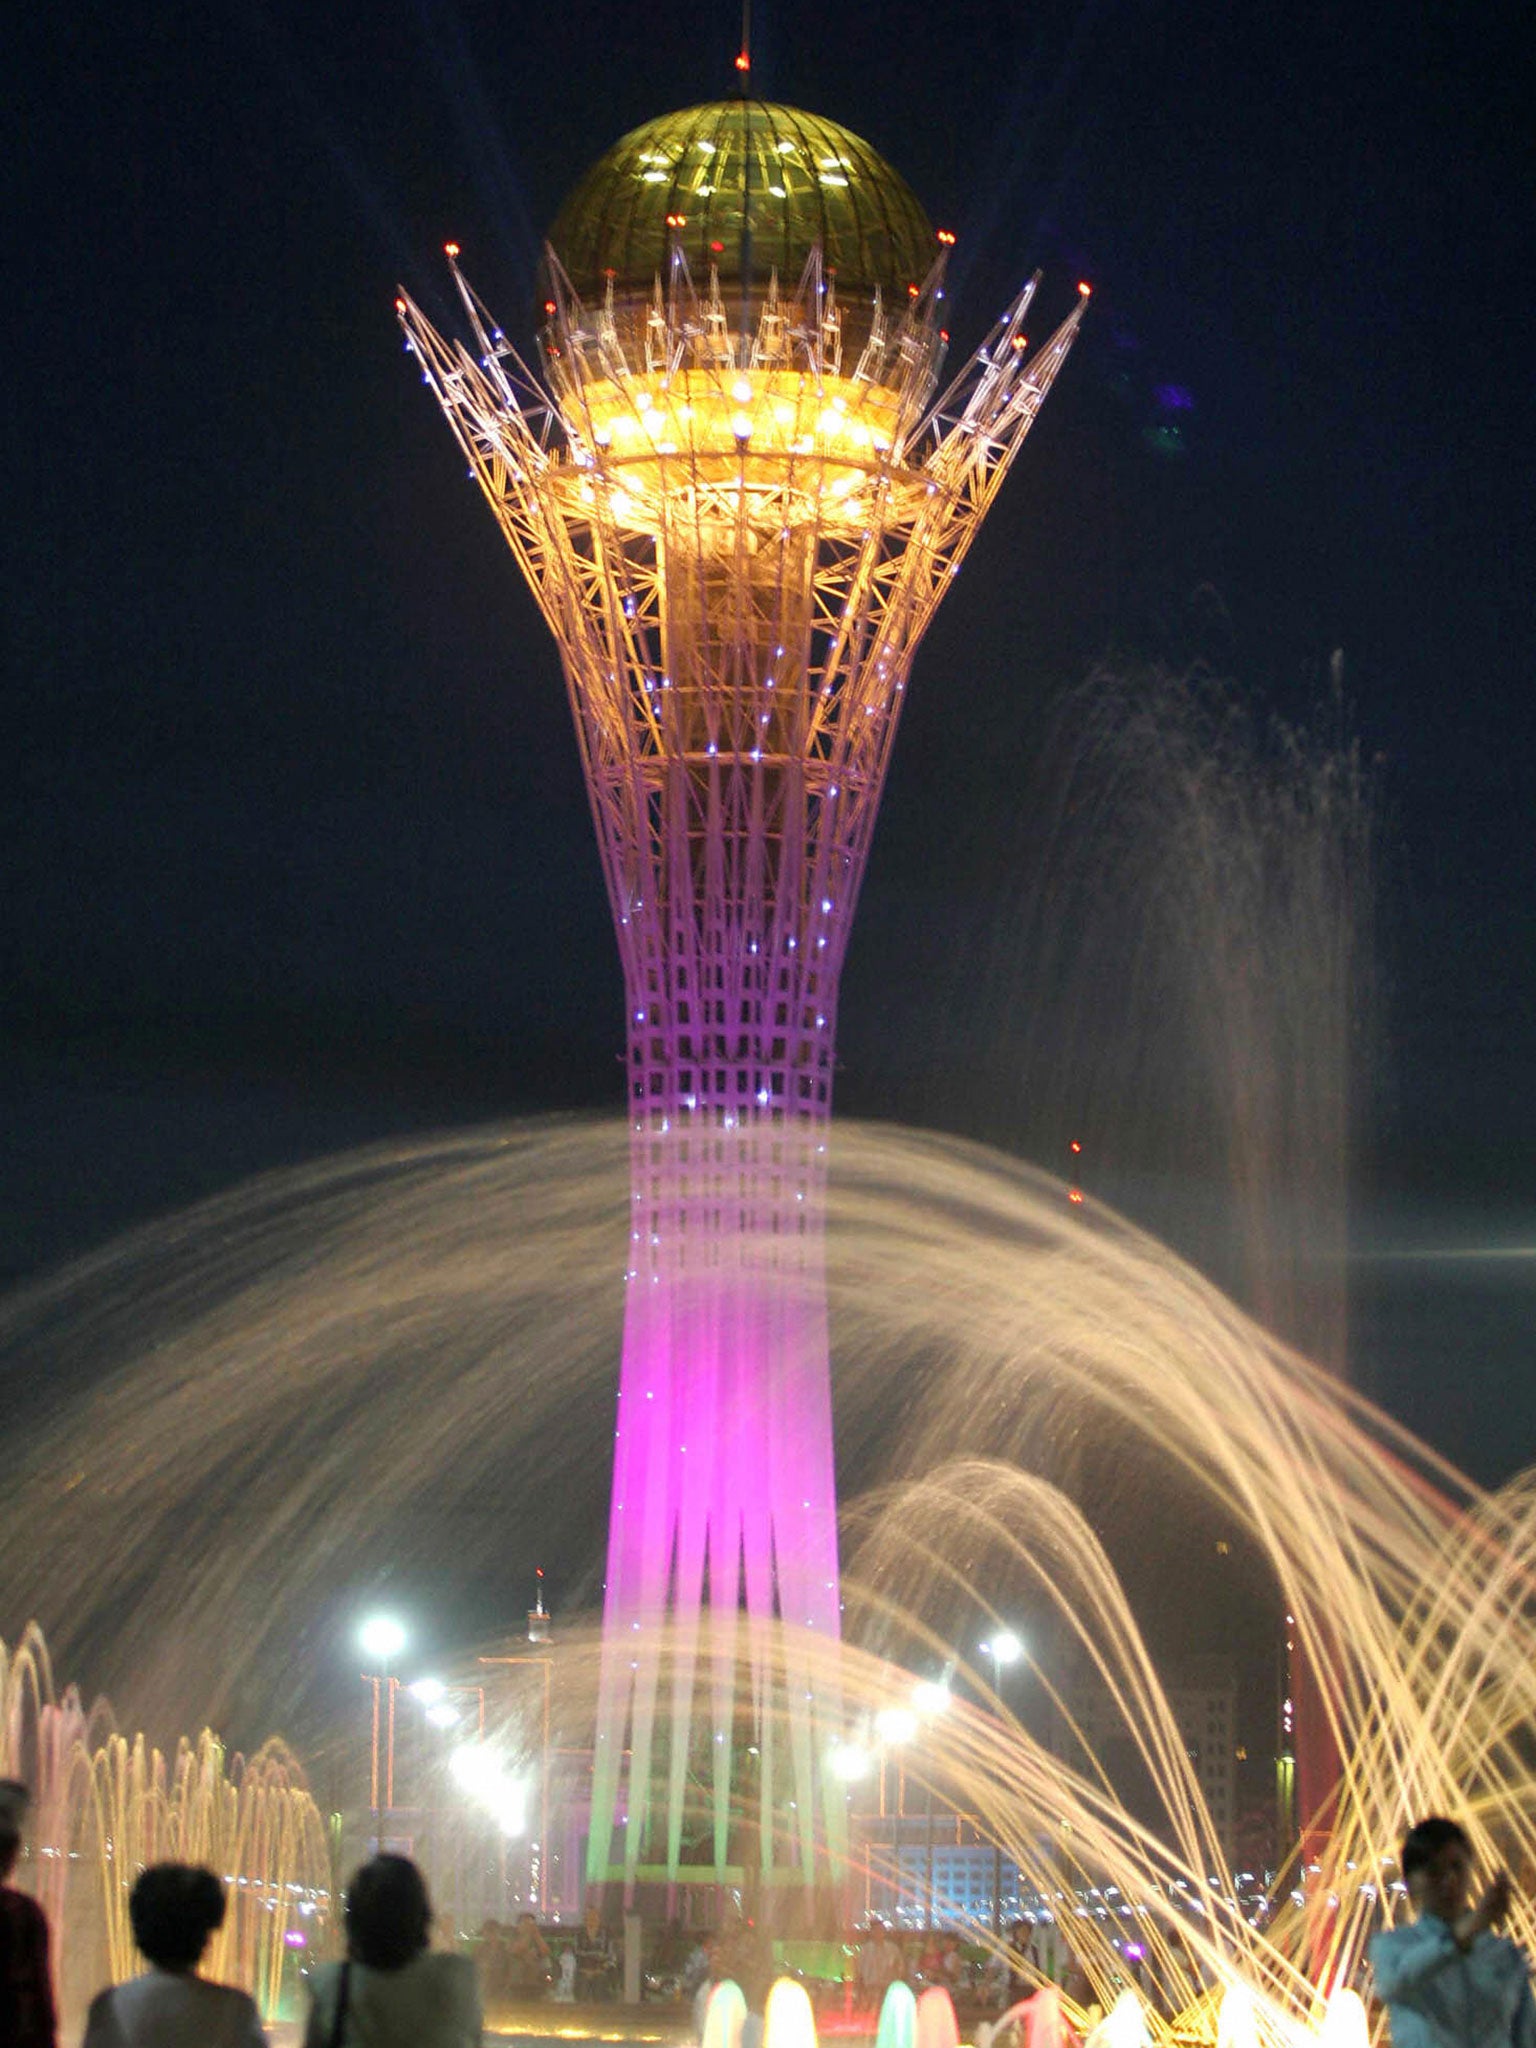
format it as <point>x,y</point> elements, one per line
<point>738,507</point>
<point>734,901</point>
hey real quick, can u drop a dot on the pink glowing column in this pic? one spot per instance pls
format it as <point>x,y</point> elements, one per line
<point>724,1504</point>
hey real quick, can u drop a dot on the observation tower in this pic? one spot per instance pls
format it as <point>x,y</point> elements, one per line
<point>738,495</point>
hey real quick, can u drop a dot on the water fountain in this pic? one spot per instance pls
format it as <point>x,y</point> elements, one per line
<point>1018,1317</point>
<point>106,1804</point>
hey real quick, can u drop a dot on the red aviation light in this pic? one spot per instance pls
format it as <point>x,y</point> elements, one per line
<point>946,238</point>
<point>743,61</point>
<point>677,220</point>
<point>399,305</point>
<point>1086,290</point>
<point>1075,1196</point>
<point>452,249</point>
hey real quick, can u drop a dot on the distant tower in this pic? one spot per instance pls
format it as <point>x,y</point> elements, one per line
<point>738,505</point>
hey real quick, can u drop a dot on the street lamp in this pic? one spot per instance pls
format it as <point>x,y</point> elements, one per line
<point>483,1775</point>
<point>540,1884</point>
<point>1003,1647</point>
<point>930,1698</point>
<point>436,1697</point>
<point>381,1639</point>
<point>894,1728</point>
<point>895,1725</point>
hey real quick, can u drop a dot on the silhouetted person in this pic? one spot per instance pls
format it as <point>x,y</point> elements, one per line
<point>174,1910</point>
<point>1021,1981</point>
<point>1446,1979</point>
<point>528,1958</point>
<point>595,1958</point>
<point>26,1982</point>
<point>392,1992</point>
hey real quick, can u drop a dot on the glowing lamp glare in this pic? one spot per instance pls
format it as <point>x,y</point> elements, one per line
<point>381,1637</point>
<point>849,1762</point>
<point>895,1725</point>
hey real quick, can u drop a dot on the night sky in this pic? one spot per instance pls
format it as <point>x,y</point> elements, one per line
<point>295,845</point>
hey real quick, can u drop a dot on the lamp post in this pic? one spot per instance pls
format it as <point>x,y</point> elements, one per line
<point>548,1667</point>
<point>896,1727</point>
<point>381,1639</point>
<point>1004,1648</point>
<point>439,1710</point>
<point>447,1715</point>
<point>848,1762</point>
<point>930,1697</point>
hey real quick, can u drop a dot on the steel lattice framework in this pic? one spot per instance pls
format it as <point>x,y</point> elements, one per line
<point>738,514</point>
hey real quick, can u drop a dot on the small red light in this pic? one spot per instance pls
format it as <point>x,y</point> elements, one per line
<point>911,291</point>
<point>743,62</point>
<point>677,220</point>
<point>452,248</point>
<point>1076,1147</point>
<point>399,305</point>
<point>1074,1195</point>
<point>717,248</point>
<point>1086,290</point>
<point>549,305</point>
<point>946,238</point>
<point>944,334</point>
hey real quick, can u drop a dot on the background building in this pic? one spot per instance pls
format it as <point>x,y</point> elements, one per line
<point>1202,1696</point>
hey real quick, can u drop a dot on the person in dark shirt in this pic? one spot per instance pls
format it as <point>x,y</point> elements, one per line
<point>595,1959</point>
<point>27,2017</point>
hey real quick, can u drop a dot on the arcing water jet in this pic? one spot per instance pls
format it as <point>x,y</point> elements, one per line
<point>1012,1317</point>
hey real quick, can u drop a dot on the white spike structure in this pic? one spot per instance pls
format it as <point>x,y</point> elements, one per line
<point>738,542</point>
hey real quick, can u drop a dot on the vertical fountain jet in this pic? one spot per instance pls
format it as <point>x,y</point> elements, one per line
<point>738,501</point>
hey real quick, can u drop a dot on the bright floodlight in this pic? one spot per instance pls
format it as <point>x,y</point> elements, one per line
<point>441,1715</point>
<point>382,1638</point>
<point>477,1770</point>
<point>428,1690</point>
<point>849,1761</point>
<point>1005,1647</point>
<point>481,1773</point>
<point>512,1807</point>
<point>929,1697</point>
<point>895,1725</point>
